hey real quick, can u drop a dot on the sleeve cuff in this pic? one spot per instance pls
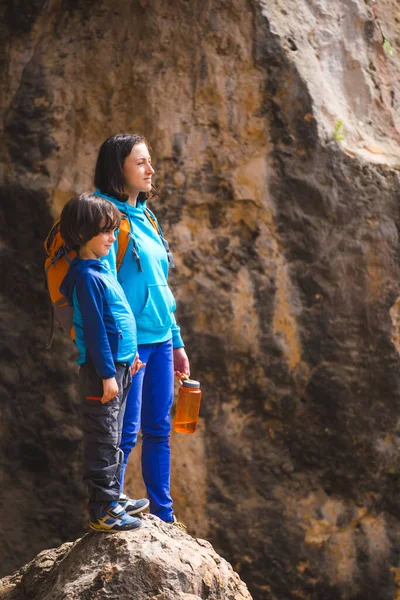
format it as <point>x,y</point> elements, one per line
<point>177,341</point>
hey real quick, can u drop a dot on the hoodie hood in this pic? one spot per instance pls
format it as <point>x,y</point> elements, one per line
<point>129,210</point>
<point>78,266</point>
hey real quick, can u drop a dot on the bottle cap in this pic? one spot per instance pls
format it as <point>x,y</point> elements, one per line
<point>190,383</point>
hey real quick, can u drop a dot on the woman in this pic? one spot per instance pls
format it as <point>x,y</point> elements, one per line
<point>124,176</point>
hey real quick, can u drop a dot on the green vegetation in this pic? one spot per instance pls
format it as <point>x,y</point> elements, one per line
<point>388,47</point>
<point>338,131</point>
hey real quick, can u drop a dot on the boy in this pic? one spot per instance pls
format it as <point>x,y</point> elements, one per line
<point>106,339</point>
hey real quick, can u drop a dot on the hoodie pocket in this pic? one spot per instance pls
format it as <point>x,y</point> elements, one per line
<point>156,313</point>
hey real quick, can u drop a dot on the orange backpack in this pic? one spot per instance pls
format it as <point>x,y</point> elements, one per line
<point>59,257</point>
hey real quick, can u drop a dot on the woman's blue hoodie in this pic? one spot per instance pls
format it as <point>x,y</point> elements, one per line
<point>103,321</point>
<point>147,291</point>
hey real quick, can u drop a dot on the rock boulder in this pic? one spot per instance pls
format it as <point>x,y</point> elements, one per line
<point>156,562</point>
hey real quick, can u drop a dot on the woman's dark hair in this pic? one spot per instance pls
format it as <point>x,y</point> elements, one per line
<point>84,217</point>
<point>109,175</point>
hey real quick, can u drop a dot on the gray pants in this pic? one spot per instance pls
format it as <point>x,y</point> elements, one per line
<point>102,428</point>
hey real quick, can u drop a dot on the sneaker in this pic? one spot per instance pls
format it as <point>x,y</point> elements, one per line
<point>115,519</point>
<point>132,507</point>
<point>177,523</point>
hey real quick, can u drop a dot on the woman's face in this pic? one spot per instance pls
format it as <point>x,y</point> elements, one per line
<point>138,170</point>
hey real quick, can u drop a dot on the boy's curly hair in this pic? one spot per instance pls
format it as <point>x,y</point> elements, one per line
<point>84,217</point>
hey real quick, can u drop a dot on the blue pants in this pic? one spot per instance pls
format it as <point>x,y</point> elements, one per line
<point>148,407</point>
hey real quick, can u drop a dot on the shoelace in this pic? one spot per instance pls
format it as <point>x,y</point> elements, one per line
<point>179,524</point>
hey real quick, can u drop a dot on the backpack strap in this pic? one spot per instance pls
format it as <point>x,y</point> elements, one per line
<point>124,234</point>
<point>152,218</point>
<point>52,318</point>
<point>50,241</point>
<point>123,239</point>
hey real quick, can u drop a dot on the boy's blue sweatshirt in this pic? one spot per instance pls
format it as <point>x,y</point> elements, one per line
<point>104,324</point>
<point>147,291</point>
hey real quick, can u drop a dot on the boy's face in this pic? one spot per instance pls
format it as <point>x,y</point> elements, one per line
<point>98,246</point>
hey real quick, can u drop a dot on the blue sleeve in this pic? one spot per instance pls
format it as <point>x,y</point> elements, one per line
<point>91,298</point>
<point>177,341</point>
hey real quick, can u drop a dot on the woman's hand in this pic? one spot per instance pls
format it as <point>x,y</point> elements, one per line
<point>181,363</point>
<point>137,365</point>
<point>110,389</point>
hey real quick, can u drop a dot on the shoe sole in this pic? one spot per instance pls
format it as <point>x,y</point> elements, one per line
<point>138,510</point>
<point>98,530</point>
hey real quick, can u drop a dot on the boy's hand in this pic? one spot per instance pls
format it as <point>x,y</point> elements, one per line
<point>110,389</point>
<point>137,365</point>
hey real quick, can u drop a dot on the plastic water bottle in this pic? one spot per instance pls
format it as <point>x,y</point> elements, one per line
<point>187,406</point>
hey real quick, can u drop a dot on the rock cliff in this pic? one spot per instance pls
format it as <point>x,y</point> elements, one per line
<point>274,128</point>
